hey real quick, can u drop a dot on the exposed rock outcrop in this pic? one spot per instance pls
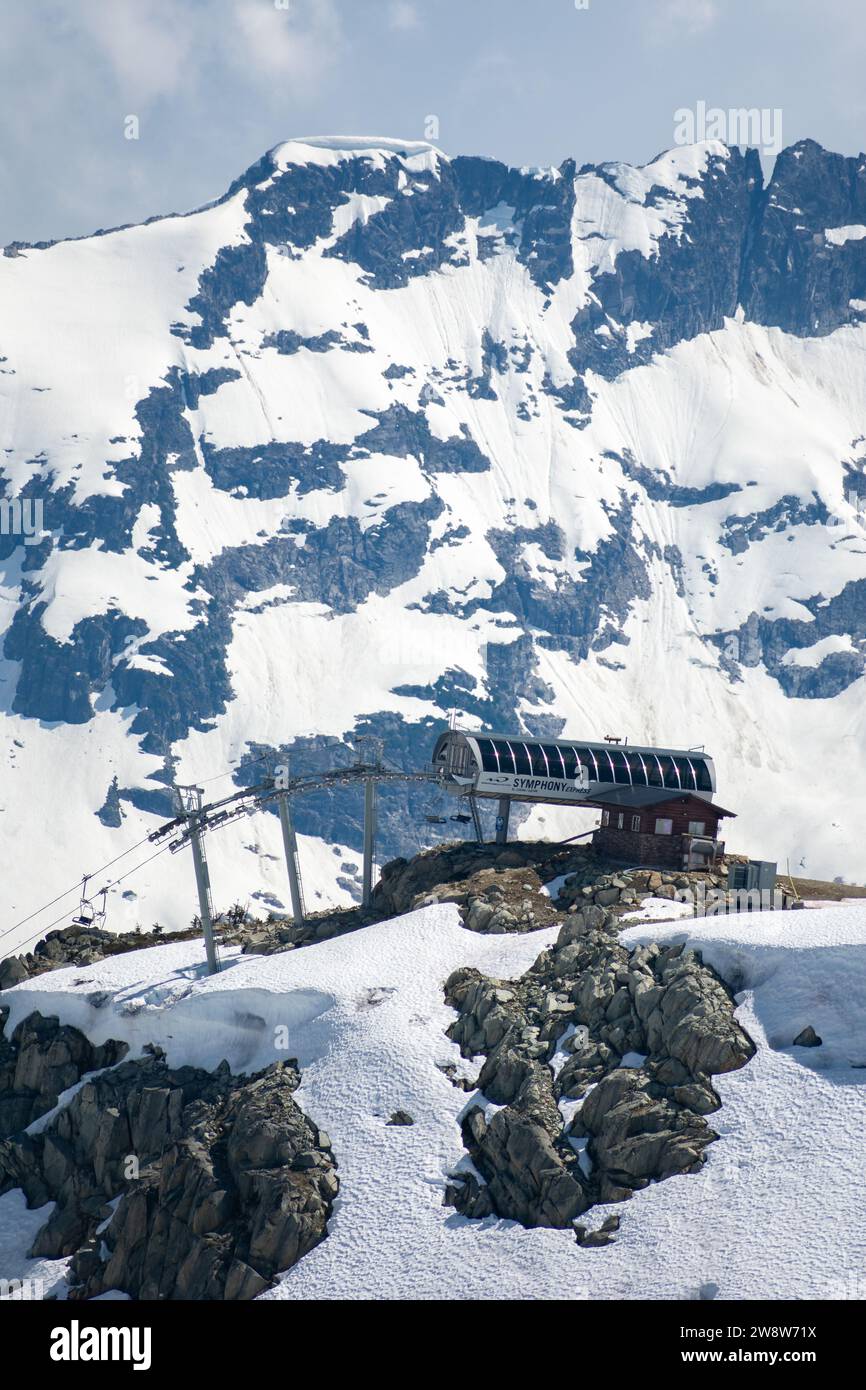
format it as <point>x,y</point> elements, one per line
<point>42,1059</point>
<point>498,889</point>
<point>635,1035</point>
<point>168,1184</point>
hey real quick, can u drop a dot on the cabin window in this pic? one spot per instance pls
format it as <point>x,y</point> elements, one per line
<point>697,827</point>
<point>668,771</point>
<point>489,755</point>
<point>605,817</point>
<point>594,773</point>
<point>504,754</point>
<point>538,758</point>
<point>654,773</point>
<point>522,760</point>
<point>555,764</point>
<point>636,768</point>
<point>688,776</point>
<point>664,826</point>
<point>621,769</point>
<point>620,820</point>
<point>569,762</point>
<point>635,822</point>
<point>703,778</point>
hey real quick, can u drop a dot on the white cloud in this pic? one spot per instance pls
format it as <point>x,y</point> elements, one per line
<point>668,18</point>
<point>149,48</point>
<point>161,48</point>
<point>297,43</point>
<point>404,16</point>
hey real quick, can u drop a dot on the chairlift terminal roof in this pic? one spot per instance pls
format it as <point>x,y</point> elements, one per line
<point>538,769</point>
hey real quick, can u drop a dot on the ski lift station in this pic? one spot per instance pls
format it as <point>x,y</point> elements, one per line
<point>656,803</point>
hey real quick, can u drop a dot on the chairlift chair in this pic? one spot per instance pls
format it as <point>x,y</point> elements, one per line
<point>99,914</point>
<point>86,912</point>
<point>436,817</point>
<point>88,915</point>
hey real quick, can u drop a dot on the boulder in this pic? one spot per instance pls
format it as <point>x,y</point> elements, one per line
<point>479,915</point>
<point>469,1196</point>
<point>634,1134</point>
<point>527,1179</point>
<point>604,897</point>
<point>583,920</point>
<point>41,1060</point>
<point>12,972</point>
<point>692,1019</point>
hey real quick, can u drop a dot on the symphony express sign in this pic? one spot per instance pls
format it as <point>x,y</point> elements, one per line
<point>512,784</point>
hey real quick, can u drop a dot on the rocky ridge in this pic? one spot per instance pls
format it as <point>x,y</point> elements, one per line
<point>506,879</point>
<point>634,1037</point>
<point>166,1183</point>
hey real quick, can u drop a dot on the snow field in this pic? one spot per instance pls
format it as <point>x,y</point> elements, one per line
<point>776,1213</point>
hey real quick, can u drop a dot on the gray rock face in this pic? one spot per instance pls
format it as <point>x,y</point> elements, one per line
<point>527,1178</point>
<point>222,1181</point>
<point>693,1020</point>
<point>41,1060</point>
<point>589,1002</point>
<point>637,1134</point>
<point>12,972</point>
<point>217,1220</point>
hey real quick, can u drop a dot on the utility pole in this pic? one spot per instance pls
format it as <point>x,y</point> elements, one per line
<point>290,847</point>
<point>372,764</point>
<point>476,819</point>
<point>190,799</point>
<point>369,840</point>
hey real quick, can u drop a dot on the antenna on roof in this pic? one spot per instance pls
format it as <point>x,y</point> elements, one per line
<point>612,738</point>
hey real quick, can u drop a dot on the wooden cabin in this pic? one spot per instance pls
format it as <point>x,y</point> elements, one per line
<point>676,832</point>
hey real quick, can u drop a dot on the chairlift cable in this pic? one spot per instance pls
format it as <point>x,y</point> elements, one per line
<point>43,931</point>
<point>76,887</point>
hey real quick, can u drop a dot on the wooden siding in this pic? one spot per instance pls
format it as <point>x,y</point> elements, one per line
<point>643,846</point>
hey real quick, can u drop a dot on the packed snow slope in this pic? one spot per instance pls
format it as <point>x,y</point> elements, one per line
<point>381,434</point>
<point>777,1212</point>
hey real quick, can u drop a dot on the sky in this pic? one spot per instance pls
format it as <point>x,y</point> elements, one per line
<point>117,110</point>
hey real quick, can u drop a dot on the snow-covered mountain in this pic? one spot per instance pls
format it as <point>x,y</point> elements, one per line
<point>381,434</point>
